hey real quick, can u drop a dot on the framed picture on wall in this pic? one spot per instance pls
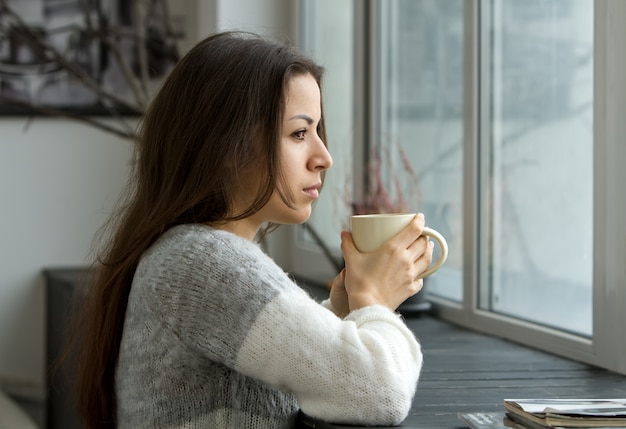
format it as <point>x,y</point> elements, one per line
<point>63,55</point>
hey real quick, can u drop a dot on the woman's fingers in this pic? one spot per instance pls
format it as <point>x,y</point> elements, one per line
<point>405,238</point>
<point>423,261</point>
<point>387,275</point>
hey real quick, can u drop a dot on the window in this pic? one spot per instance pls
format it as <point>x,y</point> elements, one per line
<point>335,28</point>
<point>536,161</point>
<point>511,115</point>
<point>419,115</point>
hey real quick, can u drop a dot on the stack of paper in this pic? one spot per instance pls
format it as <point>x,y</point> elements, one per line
<point>567,413</point>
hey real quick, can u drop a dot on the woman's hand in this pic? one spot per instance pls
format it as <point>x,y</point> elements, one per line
<point>339,296</point>
<point>387,275</point>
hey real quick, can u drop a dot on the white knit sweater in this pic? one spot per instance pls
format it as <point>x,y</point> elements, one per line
<point>216,335</point>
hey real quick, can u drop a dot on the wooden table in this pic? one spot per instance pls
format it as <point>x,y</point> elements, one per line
<point>466,371</point>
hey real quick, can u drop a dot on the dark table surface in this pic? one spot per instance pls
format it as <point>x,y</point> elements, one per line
<point>467,372</point>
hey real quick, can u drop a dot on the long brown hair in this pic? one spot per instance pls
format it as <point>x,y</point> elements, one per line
<point>217,113</point>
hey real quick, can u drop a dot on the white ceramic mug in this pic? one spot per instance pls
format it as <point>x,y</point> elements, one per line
<point>370,231</point>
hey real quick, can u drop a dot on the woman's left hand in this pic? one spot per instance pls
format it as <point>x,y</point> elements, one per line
<point>339,296</point>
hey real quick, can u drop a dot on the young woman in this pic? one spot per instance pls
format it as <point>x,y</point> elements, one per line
<point>188,323</point>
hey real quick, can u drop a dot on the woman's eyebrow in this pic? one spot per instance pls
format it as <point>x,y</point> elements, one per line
<point>303,116</point>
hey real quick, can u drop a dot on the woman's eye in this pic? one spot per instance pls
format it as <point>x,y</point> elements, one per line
<point>299,135</point>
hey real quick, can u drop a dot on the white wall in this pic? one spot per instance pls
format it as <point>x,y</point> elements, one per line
<point>59,182</point>
<point>272,18</point>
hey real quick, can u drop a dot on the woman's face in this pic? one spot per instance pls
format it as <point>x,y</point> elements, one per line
<point>303,155</point>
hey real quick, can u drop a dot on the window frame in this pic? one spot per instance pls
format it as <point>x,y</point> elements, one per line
<point>607,346</point>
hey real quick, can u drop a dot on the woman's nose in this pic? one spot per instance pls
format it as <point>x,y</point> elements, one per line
<point>321,159</point>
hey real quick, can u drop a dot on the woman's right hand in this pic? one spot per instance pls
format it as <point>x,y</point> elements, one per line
<point>387,275</point>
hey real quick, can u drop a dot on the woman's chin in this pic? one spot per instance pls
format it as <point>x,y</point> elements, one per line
<point>297,217</point>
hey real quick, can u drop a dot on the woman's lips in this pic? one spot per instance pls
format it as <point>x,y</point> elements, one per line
<point>313,191</point>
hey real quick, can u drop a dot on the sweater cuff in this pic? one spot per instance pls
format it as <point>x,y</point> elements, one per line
<point>374,313</point>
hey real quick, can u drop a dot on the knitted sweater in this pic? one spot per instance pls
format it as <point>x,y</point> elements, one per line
<point>216,335</point>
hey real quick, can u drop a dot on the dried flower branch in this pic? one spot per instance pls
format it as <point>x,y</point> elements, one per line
<point>383,198</point>
<point>378,197</point>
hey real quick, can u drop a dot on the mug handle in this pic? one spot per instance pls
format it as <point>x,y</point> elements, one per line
<point>443,244</point>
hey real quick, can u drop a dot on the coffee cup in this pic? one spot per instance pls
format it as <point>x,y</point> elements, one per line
<point>370,231</point>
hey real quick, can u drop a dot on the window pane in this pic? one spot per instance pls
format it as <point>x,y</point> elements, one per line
<point>420,102</point>
<point>537,156</point>
<point>328,38</point>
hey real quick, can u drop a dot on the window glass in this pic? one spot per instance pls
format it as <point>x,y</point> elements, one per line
<point>419,134</point>
<point>328,37</point>
<point>536,161</point>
